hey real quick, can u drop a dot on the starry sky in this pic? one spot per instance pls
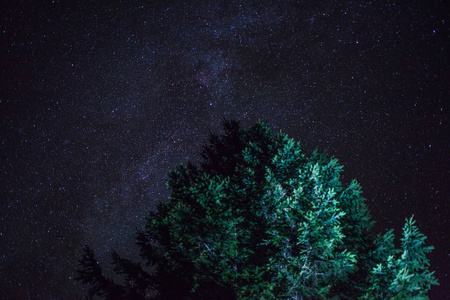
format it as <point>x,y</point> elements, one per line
<point>98,101</point>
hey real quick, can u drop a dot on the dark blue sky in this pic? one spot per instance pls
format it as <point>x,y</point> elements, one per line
<point>98,101</point>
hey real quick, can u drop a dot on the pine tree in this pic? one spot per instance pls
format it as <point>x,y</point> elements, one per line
<point>259,219</point>
<point>414,278</point>
<point>92,274</point>
<point>401,274</point>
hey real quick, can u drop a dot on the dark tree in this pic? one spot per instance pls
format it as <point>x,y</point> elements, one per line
<point>259,219</point>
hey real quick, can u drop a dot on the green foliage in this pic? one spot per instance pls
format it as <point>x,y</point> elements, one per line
<point>416,278</point>
<point>260,219</point>
<point>401,274</point>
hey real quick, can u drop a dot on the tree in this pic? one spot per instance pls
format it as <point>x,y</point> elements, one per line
<point>259,219</point>
<point>404,276</point>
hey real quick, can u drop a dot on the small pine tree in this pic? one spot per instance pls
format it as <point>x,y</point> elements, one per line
<point>401,274</point>
<point>414,278</point>
<point>91,274</point>
<point>260,219</point>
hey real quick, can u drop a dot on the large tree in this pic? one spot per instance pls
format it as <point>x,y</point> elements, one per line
<point>259,219</point>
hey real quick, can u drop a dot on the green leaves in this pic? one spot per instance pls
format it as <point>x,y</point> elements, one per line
<point>414,278</point>
<point>260,219</point>
<point>401,274</point>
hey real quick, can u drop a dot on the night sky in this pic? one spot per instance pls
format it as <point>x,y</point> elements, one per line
<point>98,101</point>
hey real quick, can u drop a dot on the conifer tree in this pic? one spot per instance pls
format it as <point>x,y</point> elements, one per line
<point>414,278</point>
<point>259,219</point>
<point>401,273</point>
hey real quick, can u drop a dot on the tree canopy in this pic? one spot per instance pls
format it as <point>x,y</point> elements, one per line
<point>258,218</point>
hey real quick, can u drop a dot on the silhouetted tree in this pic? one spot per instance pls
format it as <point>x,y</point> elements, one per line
<point>92,274</point>
<point>260,219</point>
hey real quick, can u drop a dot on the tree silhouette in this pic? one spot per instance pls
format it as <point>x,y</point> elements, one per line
<point>259,219</point>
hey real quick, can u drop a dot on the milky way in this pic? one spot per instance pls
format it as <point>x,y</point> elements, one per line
<point>98,102</point>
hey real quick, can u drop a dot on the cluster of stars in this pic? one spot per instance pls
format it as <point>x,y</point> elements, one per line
<point>99,102</point>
